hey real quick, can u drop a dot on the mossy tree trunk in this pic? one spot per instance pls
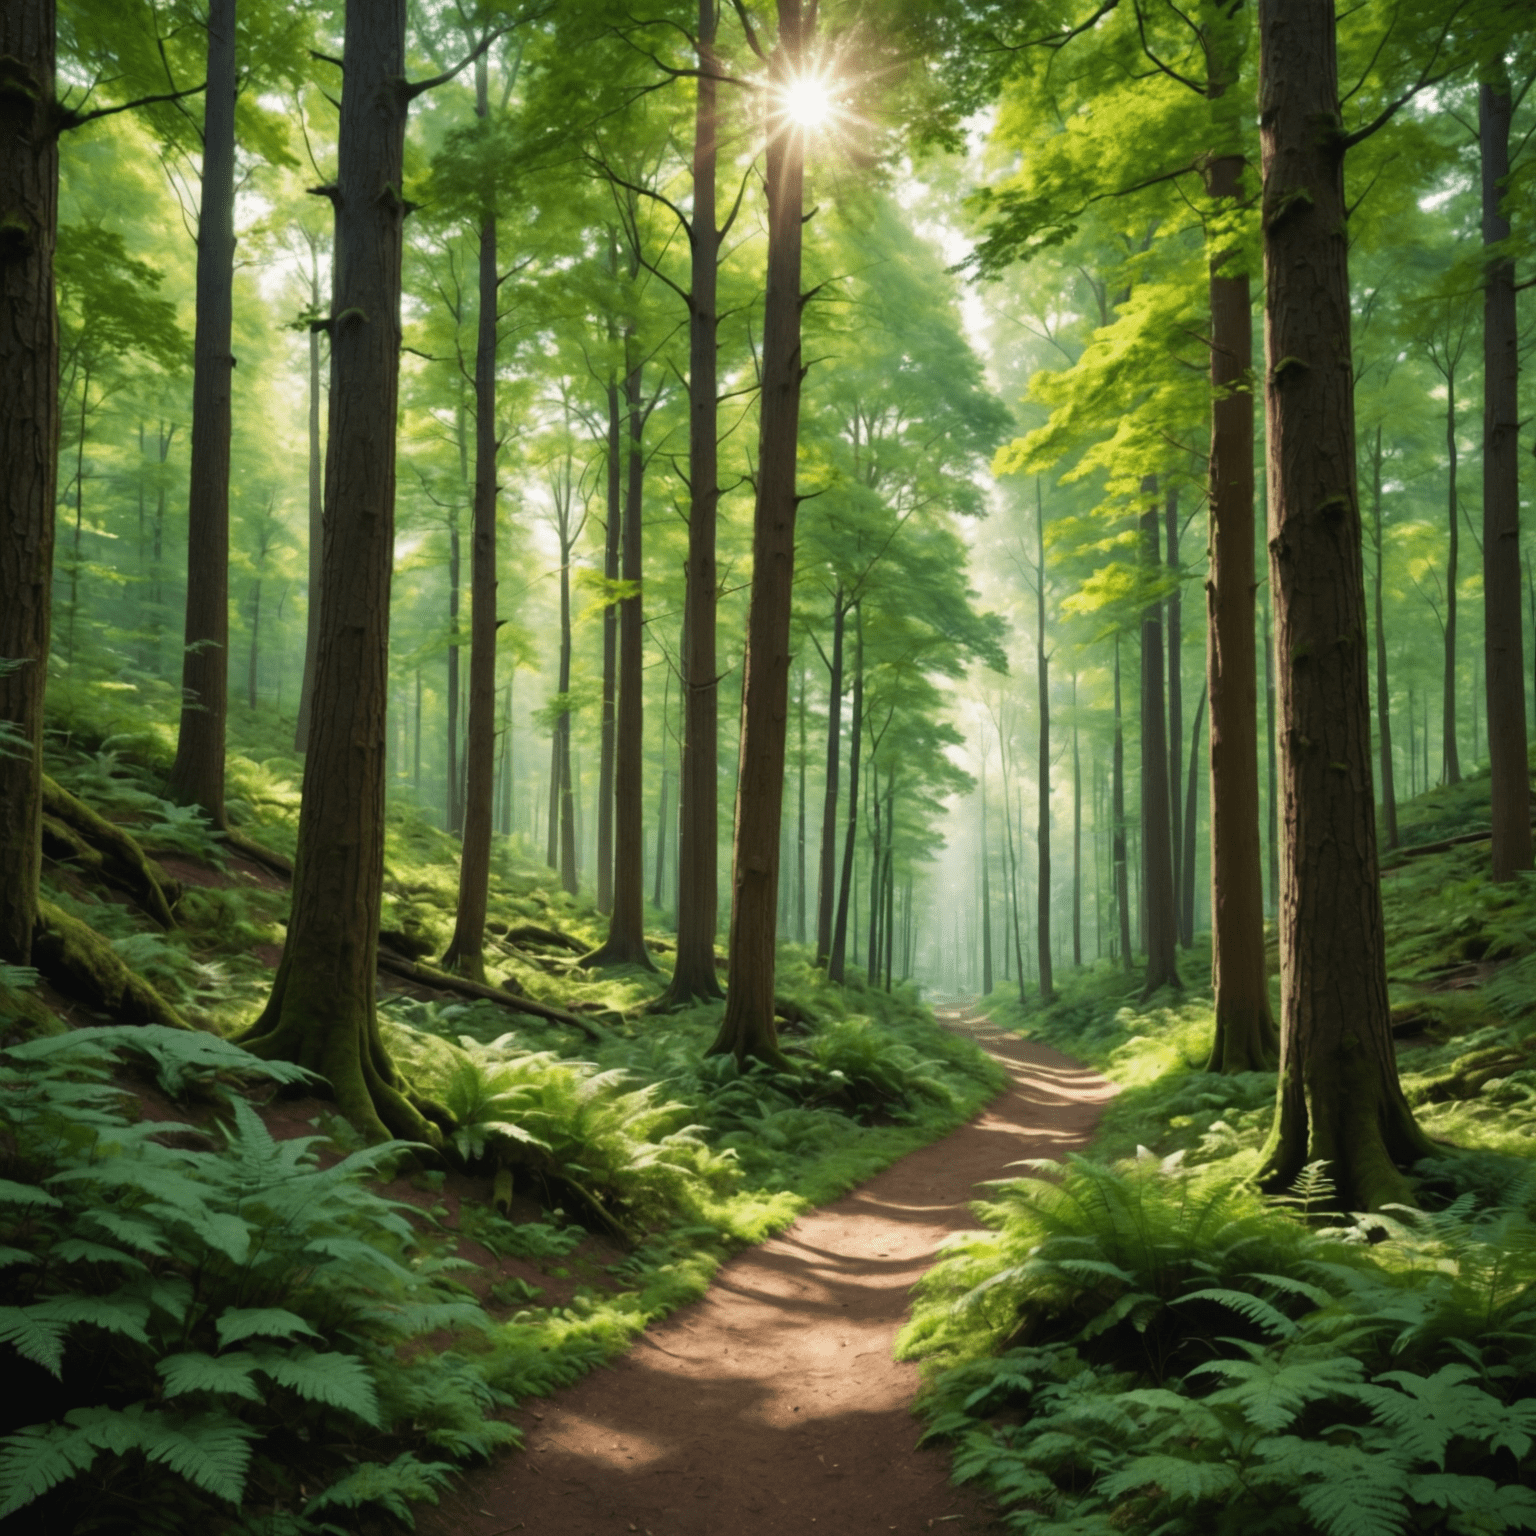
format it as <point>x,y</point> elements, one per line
<point>29,443</point>
<point>747,1028</point>
<point>1339,1099</point>
<point>197,775</point>
<point>321,1011</point>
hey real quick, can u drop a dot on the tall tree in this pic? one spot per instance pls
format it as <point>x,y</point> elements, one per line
<point>1504,666</point>
<point>1383,695</point>
<point>826,893</point>
<point>1043,780</point>
<point>1117,813</point>
<point>837,959</point>
<point>197,775</point>
<point>1156,831</point>
<point>321,1012</point>
<point>29,443</point>
<point>1338,1098</point>
<point>747,1029</point>
<point>316,502</point>
<point>466,951</point>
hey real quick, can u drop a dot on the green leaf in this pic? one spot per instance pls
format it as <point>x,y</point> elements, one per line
<point>12,1193</point>
<point>340,1381</point>
<point>1261,1313</point>
<point>1181,1481</point>
<point>36,1339</point>
<point>259,1322</point>
<point>394,1486</point>
<point>193,1372</point>
<point>38,1458</point>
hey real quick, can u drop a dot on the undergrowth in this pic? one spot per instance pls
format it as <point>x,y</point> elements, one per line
<point>1137,1342</point>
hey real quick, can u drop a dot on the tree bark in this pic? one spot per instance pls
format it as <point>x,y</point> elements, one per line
<point>1272,811</point>
<point>1338,1100</point>
<point>1117,813</point>
<point>1043,781</point>
<point>29,447</point>
<point>800,831</point>
<point>826,889</point>
<point>315,523</point>
<point>836,963</point>
<point>610,654</point>
<point>986,893</point>
<point>694,978</point>
<point>1245,1038</point>
<point>466,953</point>
<point>625,944</point>
<point>1503,650</point>
<point>747,1028</point>
<point>1156,832</point>
<point>1383,699</point>
<point>197,775</point>
<point>321,1012</point>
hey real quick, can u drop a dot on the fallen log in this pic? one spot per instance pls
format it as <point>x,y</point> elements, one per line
<point>430,976</point>
<point>73,831</point>
<point>82,964</point>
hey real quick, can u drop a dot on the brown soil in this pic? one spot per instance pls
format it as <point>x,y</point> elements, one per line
<point>773,1404</point>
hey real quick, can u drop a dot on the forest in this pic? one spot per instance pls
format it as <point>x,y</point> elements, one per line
<point>837,691</point>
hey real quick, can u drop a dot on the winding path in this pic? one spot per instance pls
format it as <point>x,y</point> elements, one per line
<point>773,1404</point>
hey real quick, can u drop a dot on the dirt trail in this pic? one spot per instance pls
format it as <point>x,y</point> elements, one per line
<point>773,1404</point>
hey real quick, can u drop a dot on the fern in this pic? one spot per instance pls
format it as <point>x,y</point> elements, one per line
<point>393,1486</point>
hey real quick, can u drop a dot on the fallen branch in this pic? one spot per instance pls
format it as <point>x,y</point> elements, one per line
<point>430,976</point>
<point>1418,850</point>
<point>258,853</point>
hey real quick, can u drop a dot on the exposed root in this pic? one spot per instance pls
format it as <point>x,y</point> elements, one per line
<point>269,859</point>
<point>81,964</point>
<point>72,831</point>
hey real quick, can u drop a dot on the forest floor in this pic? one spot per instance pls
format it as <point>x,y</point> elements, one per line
<point>774,1403</point>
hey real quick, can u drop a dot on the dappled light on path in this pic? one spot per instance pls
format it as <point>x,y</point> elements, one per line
<point>773,1404</point>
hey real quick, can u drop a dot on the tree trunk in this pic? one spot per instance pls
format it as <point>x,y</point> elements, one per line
<point>826,888</point>
<point>1450,759</point>
<point>1503,651</point>
<point>197,775</point>
<point>748,1028</point>
<point>1176,707</point>
<point>316,526</point>
<point>1383,699</point>
<point>876,874</point>
<point>563,803</point>
<point>452,810</point>
<point>800,833</point>
<point>1077,837</point>
<point>1191,821</point>
<point>1339,1100</point>
<point>321,1012</point>
<point>29,449</point>
<point>251,660</point>
<point>466,953</point>
<point>986,893</point>
<point>610,655</point>
<point>1043,826</point>
<point>1156,834</point>
<point>1117,814</point>
<point>836,963</point>
<point>625,944</point>
<point>1245,1038</point>
<point>657,892</point>
<point>694,978</point>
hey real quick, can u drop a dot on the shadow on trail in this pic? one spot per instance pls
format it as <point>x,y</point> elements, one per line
<point>773,1404</point>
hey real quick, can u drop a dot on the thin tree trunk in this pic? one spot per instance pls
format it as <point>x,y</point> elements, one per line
<point>1043,779</point>
<point>661,815</point>
<point>1339,1099</point>
<point>1272,810</point>
<point>748,1028</point>
<point>1191,821</point>
<point>876,851</point>
<point>610,652</point>
<point>1077,837</point>
<point>1503,652</point>
<point>197,775</point>
<point>466,952</point>
<point>1156,833</point>
<point>451,808</point>
<point>1383,699</point>
<point>625,944</point>
<point>826,889</point>
<point>1245,1038</point>
<point>1450,760</point>
<point>250,671</point>
<point>800,831</point>
<point>1117,813</point>
<point>693,976</point>
<point>321,1012</point>
<point>986,893</point>
<point>563,805</point>
<point>29,450</point>
<point>316,507</point>
<point>837,960</point>
<point>1013,868</point>
<point>1176,704</point>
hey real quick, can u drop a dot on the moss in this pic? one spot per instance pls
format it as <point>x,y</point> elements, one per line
<point>80,963</point>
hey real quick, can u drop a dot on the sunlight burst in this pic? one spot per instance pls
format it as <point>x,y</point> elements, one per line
<point>808,102</point>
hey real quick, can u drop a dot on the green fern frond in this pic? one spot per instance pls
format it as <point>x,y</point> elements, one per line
<point>39,1458</point>
<point>239,1323</point>
<point>34,1338</point>
<point>12,1193</point>
<point>338,1381</point>
<point>1178,1479</point>
<point>1261,1313</point>
<point>228,1375</point>
<point>393,1486</point>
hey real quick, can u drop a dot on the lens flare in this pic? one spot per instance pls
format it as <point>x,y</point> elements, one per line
<point>807,102</point>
